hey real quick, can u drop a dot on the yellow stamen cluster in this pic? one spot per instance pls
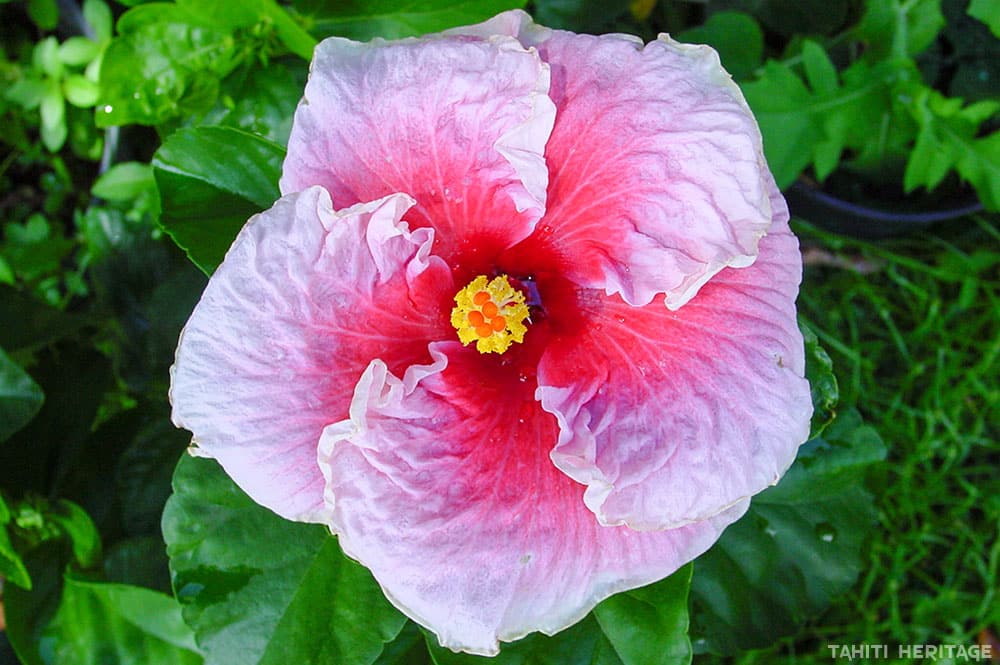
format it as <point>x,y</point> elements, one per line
<point>491,313</point>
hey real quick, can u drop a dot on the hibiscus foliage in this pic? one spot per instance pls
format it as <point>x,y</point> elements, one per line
<point>139,140</point>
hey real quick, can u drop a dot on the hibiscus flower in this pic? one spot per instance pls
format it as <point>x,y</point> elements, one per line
<point>521,330</point>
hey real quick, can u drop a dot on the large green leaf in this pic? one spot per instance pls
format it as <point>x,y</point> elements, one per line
<point>98,623</point>
<point>392,19</point>
<point>20,397</point>
<point>646,626</point>
<point>258,589</point>
<point>211,180</point>
<point>799,545</point>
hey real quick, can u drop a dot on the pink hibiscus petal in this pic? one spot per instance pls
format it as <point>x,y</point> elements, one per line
<point>657,175</point>
<point>305,298</point>
<point>441,484</point>
<point>672,416</point>
<point>458,124</point>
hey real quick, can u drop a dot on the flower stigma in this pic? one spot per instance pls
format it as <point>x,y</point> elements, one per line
<point>491,313</point>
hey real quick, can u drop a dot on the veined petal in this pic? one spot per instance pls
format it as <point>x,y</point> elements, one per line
<point>657,174</point>
<point>305,298</point>
<point>458,124</point>
<point>441,484</point>
<point>671,417</point>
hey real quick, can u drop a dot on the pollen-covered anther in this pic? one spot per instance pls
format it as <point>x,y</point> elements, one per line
<point>491,313</point>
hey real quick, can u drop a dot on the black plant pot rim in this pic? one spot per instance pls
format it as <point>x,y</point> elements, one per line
<point>845,217</point>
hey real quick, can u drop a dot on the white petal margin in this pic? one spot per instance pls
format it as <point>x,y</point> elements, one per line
<point>287,324</point>
<point>443,488</point>
<point>656,167</point>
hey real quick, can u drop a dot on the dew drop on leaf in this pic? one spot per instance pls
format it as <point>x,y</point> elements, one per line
<point>826,532</point>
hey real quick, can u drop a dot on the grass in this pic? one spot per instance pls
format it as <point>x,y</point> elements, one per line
<point>913,327</point>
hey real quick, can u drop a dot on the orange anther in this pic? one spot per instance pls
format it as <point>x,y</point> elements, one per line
<point>499,323</point>
<point>481,298</point>
<point>490,309</point>
<point>476,319</point>
<point>484,330</point>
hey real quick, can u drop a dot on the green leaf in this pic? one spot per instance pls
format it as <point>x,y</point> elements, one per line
<point>987,11</point>
<point>803,125</point>
<point>161,67</point>
<point>77,527</point>
<point>45,13</point>
<point>649,626</point>
<point>27,92</point>
<point>899,28</point>
<point>981,166</point>
<point>261,100</point>
<point>34,249</point>
<point>799,546</point>
<point>736,36</point>
<point>781,102</point>
<point>99,623</point>
<point>20,397</point>
<point>124,182</point>
<point>234,14</point>
<point>822,382</point>
<point>948,139</point>
<point>407,649</point>
<point>80,91</point>
<point>646,626</point>
<point>392,19</point>
<point>41,456</point>
<point>54,535</point>
<point>98,15</point>
<point>258,589</point>
<point>53,111</point>
<point>144,471</point>
<point>583,643</point>
<point>27,612</point>
<point>593,16</point>
<point>11,566</point>
<point>12,569</point>
<point>78,51</point>
<point>45,58</point>
<point>27,324</point>
<point>211,181</point>
<point>139,561</point>
<point>820,72</point>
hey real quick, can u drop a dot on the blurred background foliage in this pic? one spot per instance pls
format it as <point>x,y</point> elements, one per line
<point>137,138</point>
